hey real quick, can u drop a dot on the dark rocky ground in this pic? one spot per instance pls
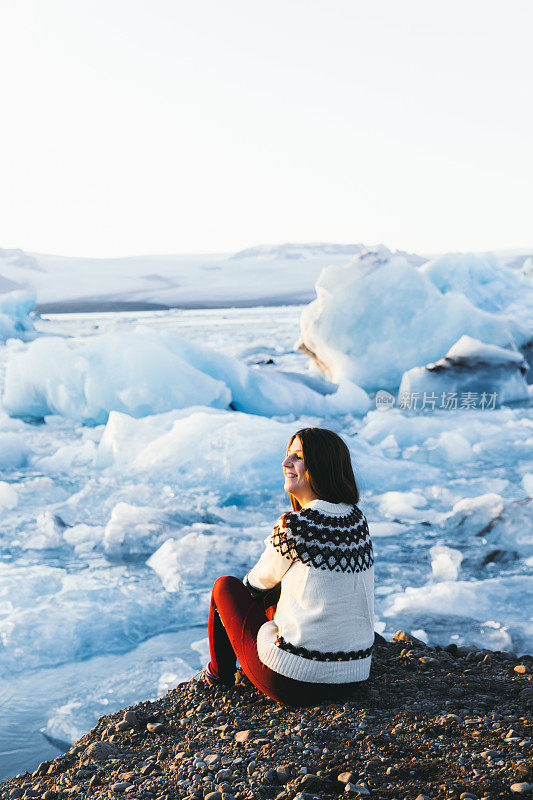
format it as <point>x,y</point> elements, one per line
<point>432,723</point>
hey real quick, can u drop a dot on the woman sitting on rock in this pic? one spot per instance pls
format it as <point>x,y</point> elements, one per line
<point>318,644</point>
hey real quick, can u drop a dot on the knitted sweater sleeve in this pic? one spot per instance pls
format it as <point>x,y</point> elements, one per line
<point>273,564</point>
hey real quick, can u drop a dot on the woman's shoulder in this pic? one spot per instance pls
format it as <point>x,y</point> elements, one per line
<point>322,513</point>
<point>334,542</point>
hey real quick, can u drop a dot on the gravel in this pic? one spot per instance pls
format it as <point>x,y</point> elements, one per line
<point>429,723</point>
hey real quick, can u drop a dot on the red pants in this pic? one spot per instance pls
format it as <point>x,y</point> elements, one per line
<point>234,620</point>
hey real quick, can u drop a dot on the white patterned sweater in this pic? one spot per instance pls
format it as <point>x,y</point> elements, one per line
<point>323,628</point>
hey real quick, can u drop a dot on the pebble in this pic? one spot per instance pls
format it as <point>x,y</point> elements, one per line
<point>489,754</point>
<point>41,769</point>
<point>99,752</point>
<point>521,788</point>
<point>155,727</point>
<point>131,717</point>
<point>521,669</point>
<point>356,788</point>
<point>283,774</point>
<point>242,736</point>
<point>121,786</point>
<point>346,777</point>
<point>312,782</point>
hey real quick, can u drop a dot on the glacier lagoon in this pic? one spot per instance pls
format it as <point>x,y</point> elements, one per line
<point>114,528</point>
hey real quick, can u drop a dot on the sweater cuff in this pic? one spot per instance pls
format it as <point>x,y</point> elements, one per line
<point>256,593</point>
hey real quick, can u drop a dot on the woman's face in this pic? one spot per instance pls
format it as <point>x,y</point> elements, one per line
<point>294,469</point>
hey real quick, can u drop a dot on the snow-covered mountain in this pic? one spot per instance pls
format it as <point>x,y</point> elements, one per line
<point>258,276</point>
<point>262,275</point>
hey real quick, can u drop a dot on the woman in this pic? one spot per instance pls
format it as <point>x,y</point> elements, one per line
<point>319,642</point>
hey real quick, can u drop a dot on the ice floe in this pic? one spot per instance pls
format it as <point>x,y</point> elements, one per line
<point>146,373</point>
<point>15,320</point>
<point>379,316</point>
<point>474,372</point>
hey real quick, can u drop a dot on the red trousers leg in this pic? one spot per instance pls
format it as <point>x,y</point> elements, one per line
<point>234,620</point>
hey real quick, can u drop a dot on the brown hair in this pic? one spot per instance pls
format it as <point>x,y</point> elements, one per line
<point>328,466</point>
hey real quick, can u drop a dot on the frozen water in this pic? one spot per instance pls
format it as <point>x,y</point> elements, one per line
<point>469,369</point>
<point>15,310</point>
<point>237,455</point>
<point>112,533</point>
<point>379,316</point>
<point>85,380</point>
<point>184,562</point>
<point>148,671</point>
<point>73,696</point>
<point>527,483</point>
<point>145,373</point>
<point>14,451</point>
<point>406,505</point>
<point>135,530</point>
<point>8,496</point>
<point>464,601</point>
<point>482,278</point>
<point>445,562</point>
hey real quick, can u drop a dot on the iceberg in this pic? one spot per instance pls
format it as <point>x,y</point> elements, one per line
<point>236,455</point>
<point>198,557</point>
<point>444,439</point>
<point>14,452</point>
<point>147,372</point>
<point>483,279</point>
<point>379,316</point>
<point>134,531</point>
<point>85,379</point>
<point>445,562</point>
<point>15,321</point>
<point>471,368</point>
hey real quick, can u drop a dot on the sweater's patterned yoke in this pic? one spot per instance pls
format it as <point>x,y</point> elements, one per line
<point>339,544</point>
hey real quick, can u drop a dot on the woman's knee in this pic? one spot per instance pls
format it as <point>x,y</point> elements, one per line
<point>226,585</point>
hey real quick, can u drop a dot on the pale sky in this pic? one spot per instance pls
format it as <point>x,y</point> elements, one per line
<point>173,126</point>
